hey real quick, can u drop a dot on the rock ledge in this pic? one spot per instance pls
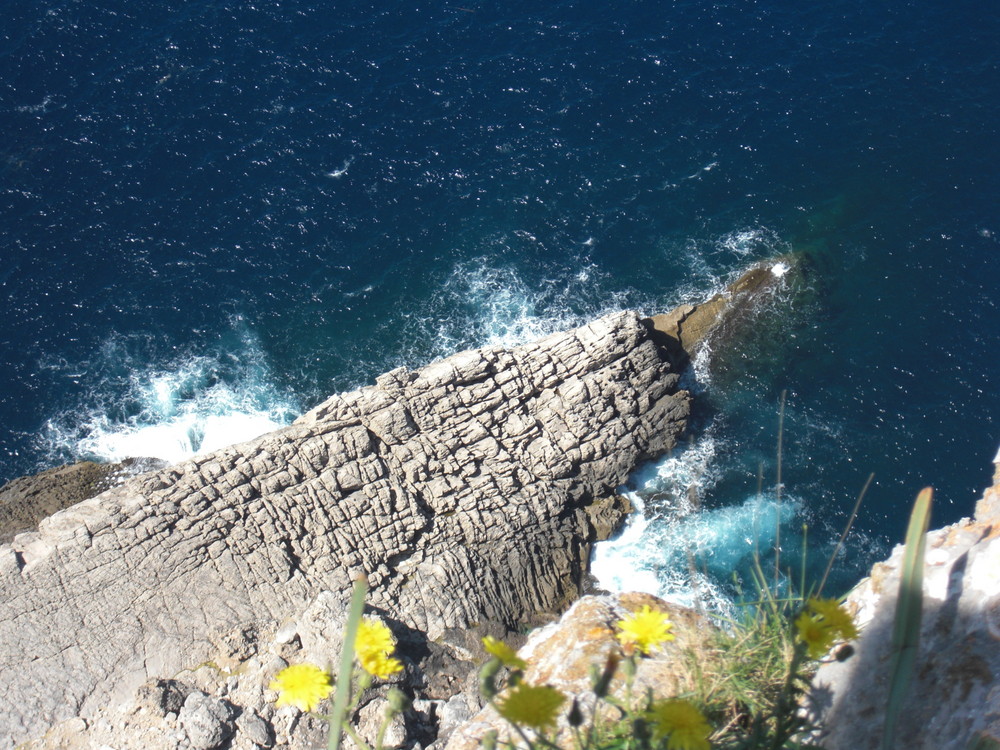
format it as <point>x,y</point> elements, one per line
<point>461,490</point>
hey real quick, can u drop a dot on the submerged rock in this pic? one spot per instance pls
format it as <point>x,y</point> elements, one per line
<point>25,501</point>
<point>723,318</point>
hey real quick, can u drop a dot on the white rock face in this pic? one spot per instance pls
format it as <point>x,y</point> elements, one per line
<point>954,695</point>
<point>561,655</point>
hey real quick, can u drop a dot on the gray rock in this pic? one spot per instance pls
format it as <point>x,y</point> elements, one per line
<point>286,633</point>
<point>207,721</point>
<point>726,317</point>
<point>461,490</point>
<point>162,697</point>
<point>451,714</point>
<point>299,730</point>
<point>255,729</point>
<point>953,695</point>
<point>321,629</point>
<point>369,720</point>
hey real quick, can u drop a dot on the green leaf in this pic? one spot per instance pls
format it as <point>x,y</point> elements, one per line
<point>909,609</point>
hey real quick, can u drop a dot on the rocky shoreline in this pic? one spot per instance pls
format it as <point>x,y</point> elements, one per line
<point>155,613</point>
<point>468,492</point>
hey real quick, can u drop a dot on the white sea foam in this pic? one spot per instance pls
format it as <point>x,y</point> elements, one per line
<point>673,548</point>
<point>336,174</point>
<point>202,424</point>
<point>171,411</point>
<point>746,242</point>
<point>666,490</point>
<point>499,307</point>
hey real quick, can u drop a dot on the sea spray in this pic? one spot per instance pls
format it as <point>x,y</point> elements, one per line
<point>693,556</point>
<point>484,301</point>
<point>170,409</point>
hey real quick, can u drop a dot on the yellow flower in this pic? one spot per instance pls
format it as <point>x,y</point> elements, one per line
<point>835,618</point>
<point>302,685</point>
<point>645,630</point>
<point>504,653</point>
<point>373,646</point>
<point>684,726</point>
<point>817,636</point>
<point>531,706</point>
<point>374,636</point>
<point>823,622</point>
<point>379,664</point>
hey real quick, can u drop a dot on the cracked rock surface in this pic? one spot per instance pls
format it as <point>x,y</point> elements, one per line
<point>461,489</point>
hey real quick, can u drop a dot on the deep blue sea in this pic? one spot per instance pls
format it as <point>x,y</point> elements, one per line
<point>214,214</point>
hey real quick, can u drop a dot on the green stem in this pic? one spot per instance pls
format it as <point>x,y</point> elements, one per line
<point>344,674</point>
<point>777,494</point>
<point>592,729</point>
<point>787,705</point>
<point>355,736</point>
<point>539,739</point>
<point>843,535</point>
<point>389,716</point>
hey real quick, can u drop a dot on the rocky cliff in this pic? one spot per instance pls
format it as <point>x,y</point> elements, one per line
<point>462,490</point>
<point>953,699</point>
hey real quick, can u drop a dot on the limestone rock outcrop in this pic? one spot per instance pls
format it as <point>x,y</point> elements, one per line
<point>461,489</point>
<point>561,655</point>
<point>953,698</point>
<point>25,501</point>
<point>724,317</point>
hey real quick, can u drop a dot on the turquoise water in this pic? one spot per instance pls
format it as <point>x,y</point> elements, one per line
<point>216,214</point>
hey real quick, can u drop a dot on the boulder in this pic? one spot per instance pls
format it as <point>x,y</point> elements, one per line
<point>723,318</point>
<point>207,721</point>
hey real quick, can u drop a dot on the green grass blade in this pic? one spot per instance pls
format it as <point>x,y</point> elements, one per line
<point>802,563</point>
<point>909,608</point>
<point>777,494</point>
<point>843,535</point>
<point>346,671</point>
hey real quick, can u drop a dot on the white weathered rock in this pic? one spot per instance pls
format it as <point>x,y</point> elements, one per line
<point>207,721</point>
<point>452,714</point>
<point>954,693</point>
<point>370,719</point>
<point>562,655</point>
